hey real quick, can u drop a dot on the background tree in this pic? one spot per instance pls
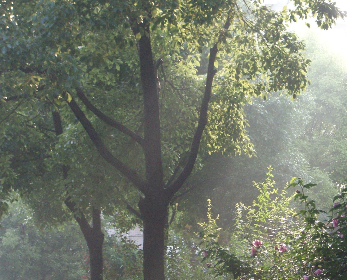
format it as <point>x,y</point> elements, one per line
<point>291,136</point>
<point>30,253</point>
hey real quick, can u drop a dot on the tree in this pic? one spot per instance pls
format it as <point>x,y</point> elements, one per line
<point>324,138</point>
<point>303,138</point>
<point>101,51</point>
<point>30,253</point>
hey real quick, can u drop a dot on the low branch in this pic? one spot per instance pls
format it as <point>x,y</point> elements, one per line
<point>108,120</point>
<point>128,172</point>
<point>79,217</point>
<point>196,183</point>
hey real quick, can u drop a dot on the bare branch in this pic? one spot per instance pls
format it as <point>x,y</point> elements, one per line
<point>104,152</point>
<point>107,119</point>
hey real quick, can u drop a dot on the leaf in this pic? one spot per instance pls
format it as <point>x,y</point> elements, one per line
<point>69,97</point>
<point>138,36</point>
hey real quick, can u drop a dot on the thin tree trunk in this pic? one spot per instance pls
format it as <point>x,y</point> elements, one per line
<point>95,241</point>
<point>94,238</point>
<point>92,234</point>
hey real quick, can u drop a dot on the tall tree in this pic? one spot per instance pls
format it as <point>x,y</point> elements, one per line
<point>183,53</point>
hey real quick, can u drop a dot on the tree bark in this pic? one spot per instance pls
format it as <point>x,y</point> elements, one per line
<point>154,217</point>
<point>154,207</point>
<point>95,240</point>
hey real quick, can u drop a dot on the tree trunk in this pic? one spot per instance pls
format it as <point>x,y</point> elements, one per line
<point>95,240</point>
<point>92,234</point>
<point>95,243</point>
<point>154,226</point>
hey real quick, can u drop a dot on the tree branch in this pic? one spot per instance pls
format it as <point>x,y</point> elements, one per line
<point>12,112</point>
<point>79,217</point>
<point>188,168</point>
<point>129,207</point>
<point>108,120</point>
<point>177,184</point>
<point>15,97</point>
<point>152,143</point>
<point>104,152</point>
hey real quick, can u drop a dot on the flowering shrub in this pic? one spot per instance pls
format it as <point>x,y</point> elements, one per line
<point>271,241</point>
<point>223,260</point>
<point>321,247</point>
<point>260,239</point>
<point>257,243</point>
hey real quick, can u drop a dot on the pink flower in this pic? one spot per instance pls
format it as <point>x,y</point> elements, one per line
<point>253,251</point>
<point>318,272</point>
<point>335,222</point>
<point>257,243</point>
<point>204,253</point>
<point>336,204</point>
<point>283,248</point>
<point>306,277</point>
<point>340,235</point>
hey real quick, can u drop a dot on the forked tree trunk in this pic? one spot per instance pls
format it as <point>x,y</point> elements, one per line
<point>154,206</point>
<point>95,239</point>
